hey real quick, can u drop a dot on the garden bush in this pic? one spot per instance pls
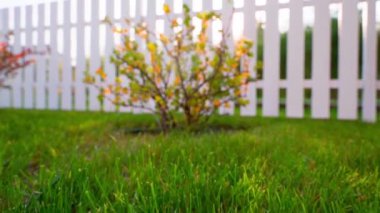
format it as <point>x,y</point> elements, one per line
<point>180,71</point>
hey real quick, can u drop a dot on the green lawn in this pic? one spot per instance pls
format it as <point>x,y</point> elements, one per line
<point>81,162</point>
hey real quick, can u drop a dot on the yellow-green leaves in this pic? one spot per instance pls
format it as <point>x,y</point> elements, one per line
<point>101,73</point>
<point>207,16</point>
<point>88,79</point>
<point>166,9</point>
<point>180,69</point>
<point>152,47</point>
<point>164,39</point>
<point>186,8</point>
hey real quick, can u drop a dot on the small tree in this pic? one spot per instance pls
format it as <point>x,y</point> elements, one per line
<point>177,71</point>
<point>11,62</point>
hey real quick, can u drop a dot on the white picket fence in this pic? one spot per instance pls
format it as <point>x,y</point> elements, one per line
<point>52,84</point>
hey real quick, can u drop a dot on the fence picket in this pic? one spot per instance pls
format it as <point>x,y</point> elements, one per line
<point>125,13</point>
<point>108,66</point>
<point>207,6</point>
<point>349,54</point>
<point>250,32</point>
<point>95,53</point>
<point>189,3</point>
<point>227,14</point>
<point>17,82</point>
<point>321,61</point>
<point>370,53</point>
<point>41,61</point>
<point>271,61</point>
<point>151,23</point>
<point>167,28</point>
<point>295,65</point>
<point>5,93</point>
<point>29,70</point>
<point>53,59</point>
<point>138,18</point>
<point>80,87</point>
<point>67,67</point>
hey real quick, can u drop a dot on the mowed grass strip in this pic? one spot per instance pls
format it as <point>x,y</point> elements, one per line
<point>81,162</point>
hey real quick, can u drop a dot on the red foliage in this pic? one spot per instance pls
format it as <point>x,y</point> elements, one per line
<point>11,62</point>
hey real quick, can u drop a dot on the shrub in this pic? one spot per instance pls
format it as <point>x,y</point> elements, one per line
<point>11,62</point>
<point>177,72</point>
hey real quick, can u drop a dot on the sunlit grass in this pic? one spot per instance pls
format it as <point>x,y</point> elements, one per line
<point>65,161</point>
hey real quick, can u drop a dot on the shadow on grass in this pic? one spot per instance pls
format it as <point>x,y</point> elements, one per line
<point>146,124</point>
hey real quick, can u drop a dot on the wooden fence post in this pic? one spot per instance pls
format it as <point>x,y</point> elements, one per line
<point>250,32</point>
<point>321,61</point>
<point>271,91</point>
<point>370,60</point>
<point>296,61</point>
<point>349,62</point>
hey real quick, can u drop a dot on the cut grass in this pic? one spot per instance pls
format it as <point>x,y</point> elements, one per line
<point>80,162</point>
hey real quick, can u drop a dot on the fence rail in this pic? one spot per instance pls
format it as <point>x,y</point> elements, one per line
<point>55,81</point>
